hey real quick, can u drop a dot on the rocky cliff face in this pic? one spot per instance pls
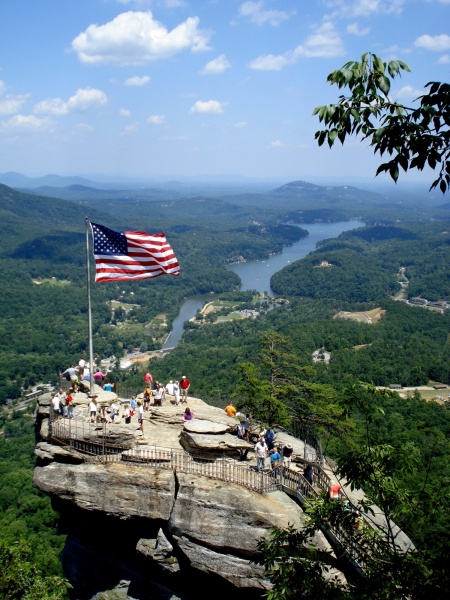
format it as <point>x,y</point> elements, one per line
<point>147,531</point>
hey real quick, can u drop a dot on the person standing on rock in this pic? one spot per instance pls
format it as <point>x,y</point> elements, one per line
<point>287,454</point>
<point>93,410</point>
<point>126,414</point>
<point>176,392</point>
<point>69,404</point>
<point>261,454</point>
<point>140,415</point>
<point>185,384</point>
<point>148,379</point>
<point>56,403</point>
<point>169,388</point>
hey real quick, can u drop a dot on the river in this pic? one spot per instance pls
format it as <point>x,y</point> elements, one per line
<point>256,274</point>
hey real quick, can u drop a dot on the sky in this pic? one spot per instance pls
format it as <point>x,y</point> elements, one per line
<point>156,88</point>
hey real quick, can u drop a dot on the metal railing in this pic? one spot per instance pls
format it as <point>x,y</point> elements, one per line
<point>92,439</point>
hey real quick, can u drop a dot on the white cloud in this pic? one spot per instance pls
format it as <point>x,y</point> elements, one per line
<point>366,8</point>
<point>25,123</point>
<point>444,59</point>
<point>241,124</point>
<point>9,104</point>
<point>211,107</point>
<point>324,43</point>
<point>156,119</point>
<point>216,66</point>
<point>355,30</point>
<point>277,144</point>
<point>408,91</point>
<point>124,112</point>
<point>259,16</point>
<point>134,38</point>
<point>137,81</point>
<point>438,43</point>
<point>82,101</point>
<point>129,129</point>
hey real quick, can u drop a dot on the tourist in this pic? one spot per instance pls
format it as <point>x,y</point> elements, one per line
<point>176,392</point>
<point>71,374</point>
<point>158,395</point>
<point>112,412</point>
<point>126,414</point>
<point>241,430</point>
<point>308,474</point>
<point>188,414</point>
<point>335,490</point>
<point>269,437</point>
<point>148,379</point>
<point>86,374</point>
<point>147,395</point>
<point>108,387</point>
<point>287,455</point>
<point>185,384</point>
<point>56,403</point>
<point>140,415</point>
<point>93,410</point>
<point>275,458</point>
<point>133,406</point>
<point>98,377</point>
<point>69,404</point>
<point>103,415</point>
<point>81,365</point>
<point>230,410</point>
<point>169,388</point>
<point>261,454</point>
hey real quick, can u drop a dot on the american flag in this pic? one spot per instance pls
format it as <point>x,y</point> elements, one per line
<point>131,255</point>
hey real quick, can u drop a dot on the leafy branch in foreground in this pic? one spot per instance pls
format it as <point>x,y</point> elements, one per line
<point>392,567</point>
<point>413,137</point>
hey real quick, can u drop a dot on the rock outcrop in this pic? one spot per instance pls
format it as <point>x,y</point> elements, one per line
<point>154,520</point>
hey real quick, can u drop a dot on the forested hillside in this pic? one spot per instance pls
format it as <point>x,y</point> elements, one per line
<point>43,319</point>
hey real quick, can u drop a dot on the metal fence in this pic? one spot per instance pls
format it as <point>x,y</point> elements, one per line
<point>92,439</point>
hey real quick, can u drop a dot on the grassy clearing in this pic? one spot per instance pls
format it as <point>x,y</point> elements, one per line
<point>369,316</point>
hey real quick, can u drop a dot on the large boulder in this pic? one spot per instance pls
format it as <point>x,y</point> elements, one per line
<point>217,444</point>
<point>117,489</point>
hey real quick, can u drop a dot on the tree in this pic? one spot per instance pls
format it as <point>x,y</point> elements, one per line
<point>275,387</point>
<point>413,137</point>
<point>391,571</point>
<point>20,579</point>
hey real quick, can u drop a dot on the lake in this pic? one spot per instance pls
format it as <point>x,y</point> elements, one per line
<point>256,274</point>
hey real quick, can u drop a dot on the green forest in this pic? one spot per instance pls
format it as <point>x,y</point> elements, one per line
<point>43,327</point>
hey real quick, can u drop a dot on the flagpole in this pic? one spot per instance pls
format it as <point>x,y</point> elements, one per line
<point>91,346</point>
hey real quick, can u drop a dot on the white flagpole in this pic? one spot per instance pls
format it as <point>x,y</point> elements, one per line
<point>91,346</point>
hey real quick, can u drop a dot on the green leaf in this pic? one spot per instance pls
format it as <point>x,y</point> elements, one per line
<point>384,84</point>
<point>332,135</point>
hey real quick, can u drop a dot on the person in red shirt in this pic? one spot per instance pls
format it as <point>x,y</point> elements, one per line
<point>185,384</point>
<point>148,378</point>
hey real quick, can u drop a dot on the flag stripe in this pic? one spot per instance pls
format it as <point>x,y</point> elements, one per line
<point>131,255</point>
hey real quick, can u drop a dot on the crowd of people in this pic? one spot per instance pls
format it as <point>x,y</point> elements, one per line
<point>177,392</point>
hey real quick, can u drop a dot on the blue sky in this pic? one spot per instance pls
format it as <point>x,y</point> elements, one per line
<point>146,88</point>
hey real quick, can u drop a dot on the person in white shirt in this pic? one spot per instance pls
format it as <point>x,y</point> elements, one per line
<point>93,410</point>
<point>56,403</point>
<point>261,454</point>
